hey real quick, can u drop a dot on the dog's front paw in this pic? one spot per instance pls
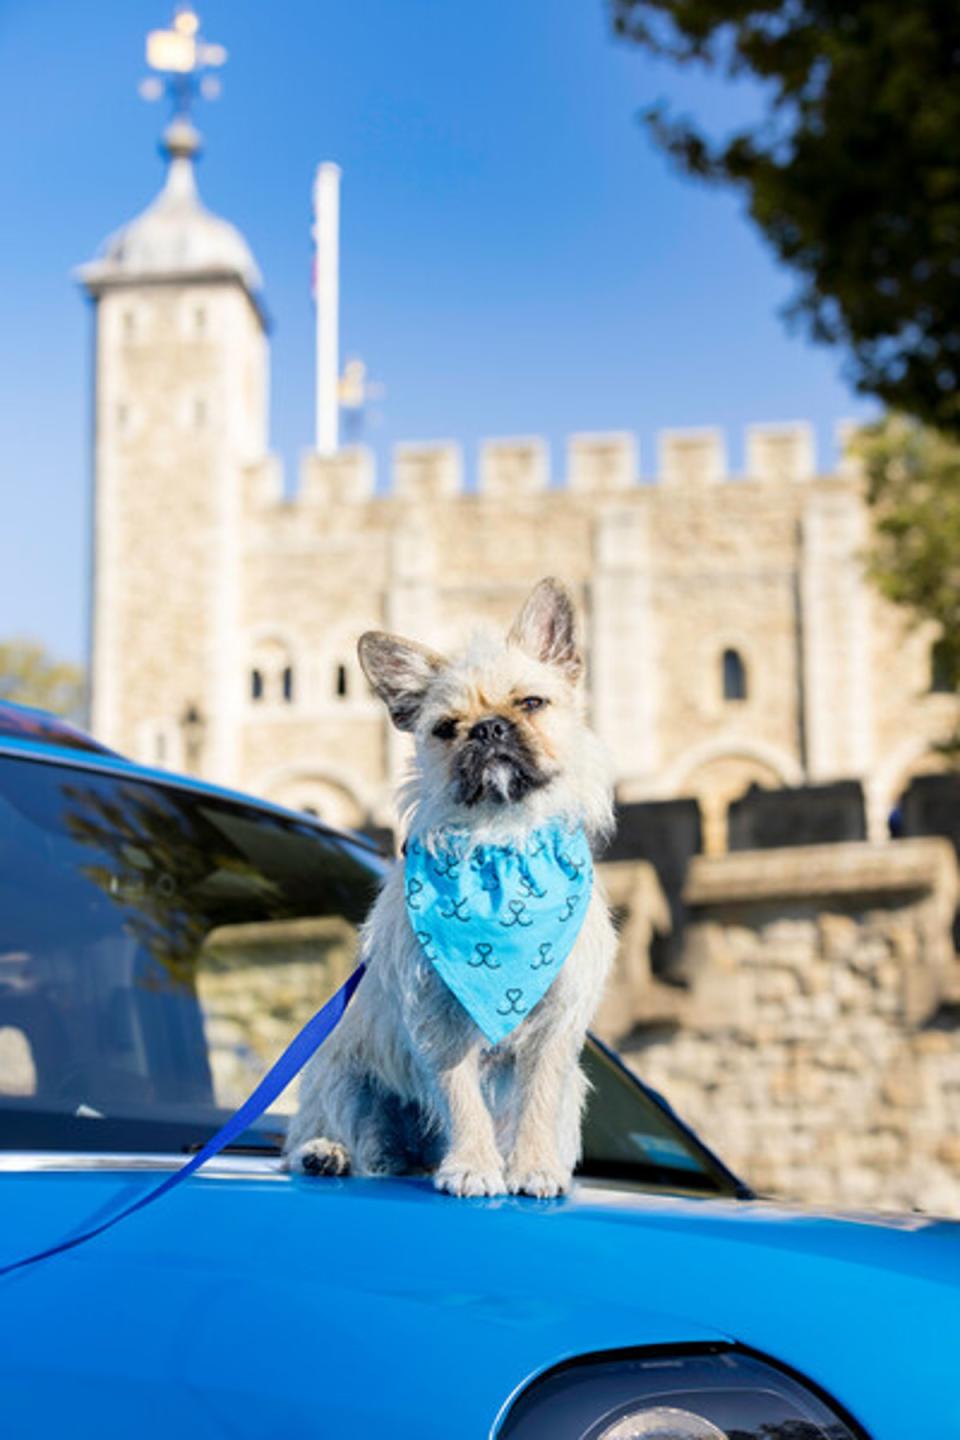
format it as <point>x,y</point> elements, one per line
<point>544,1180</point>
<point>321,1157</point>
<point>461,1178</point>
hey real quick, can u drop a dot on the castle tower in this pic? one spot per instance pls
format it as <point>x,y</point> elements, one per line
<point>181,387</point>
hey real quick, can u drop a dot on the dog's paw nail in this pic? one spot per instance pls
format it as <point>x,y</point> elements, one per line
<point>463,1180</point>
<point>544,1183</point>
<point>321,1157</point>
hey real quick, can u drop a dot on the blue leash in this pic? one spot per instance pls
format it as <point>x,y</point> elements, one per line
<point>277,1078</point>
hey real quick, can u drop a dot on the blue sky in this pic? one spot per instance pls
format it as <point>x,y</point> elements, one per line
<point>517,259</point>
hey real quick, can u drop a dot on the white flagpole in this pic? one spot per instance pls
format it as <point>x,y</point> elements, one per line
<point>326,234</point>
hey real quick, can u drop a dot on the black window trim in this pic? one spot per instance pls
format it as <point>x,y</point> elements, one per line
<point>741,1190</point>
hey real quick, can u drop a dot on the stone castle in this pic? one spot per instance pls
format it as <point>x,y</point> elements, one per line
<point>732,639</point>
<point>731,635</point>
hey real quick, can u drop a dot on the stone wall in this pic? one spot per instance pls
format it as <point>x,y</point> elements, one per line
<point>816,1045</point>
<point>213,572</point>
<point>667,575</point>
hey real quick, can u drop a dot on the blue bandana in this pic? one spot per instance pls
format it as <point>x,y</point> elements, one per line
<point>498,921</point>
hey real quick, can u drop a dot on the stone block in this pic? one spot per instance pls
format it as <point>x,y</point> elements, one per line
<point>514,467</point>
<point>692,457</point>
<point>849,463</point>
<point>427,472</point>
<point>924,866</point>
<point>600,464</point>
<point>900,1088</point>
<point>838,937</point>
<point>780,452</point>
<point>347,477</point>
<point>948,1152</point>
<point>263,484</point>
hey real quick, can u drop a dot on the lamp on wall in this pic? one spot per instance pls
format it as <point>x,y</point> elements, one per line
<point>193,726</point>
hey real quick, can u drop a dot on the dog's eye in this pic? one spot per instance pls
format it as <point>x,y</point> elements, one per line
<point>445,729</point>
<point>532,702</point>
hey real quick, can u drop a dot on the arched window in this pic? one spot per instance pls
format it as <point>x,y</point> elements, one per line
<point>943,679</point>
<point>286,682</point>
<point>341,682</point>
<point>734,676</point>
<point>256,684</point>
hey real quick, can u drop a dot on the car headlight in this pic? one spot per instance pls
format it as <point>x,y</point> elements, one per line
<point>662,1423</point>
<point>710,1395</point>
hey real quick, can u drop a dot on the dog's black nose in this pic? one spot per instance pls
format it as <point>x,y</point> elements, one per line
<point>490,729</point>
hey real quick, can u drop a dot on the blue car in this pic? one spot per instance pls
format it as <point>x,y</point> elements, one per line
<point>160,942</point>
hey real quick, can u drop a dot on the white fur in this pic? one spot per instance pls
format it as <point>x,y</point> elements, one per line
<point>407,1081</point>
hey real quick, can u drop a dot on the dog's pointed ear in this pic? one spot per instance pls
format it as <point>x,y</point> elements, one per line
<point>546,628</point>
<point>400,671</point>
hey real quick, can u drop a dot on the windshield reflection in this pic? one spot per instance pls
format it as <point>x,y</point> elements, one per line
<point>136,977</point>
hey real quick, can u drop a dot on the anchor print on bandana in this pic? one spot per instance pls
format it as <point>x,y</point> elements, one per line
<point>497,922</point>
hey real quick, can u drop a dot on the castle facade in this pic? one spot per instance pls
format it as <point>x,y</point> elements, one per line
<point>731,635</point>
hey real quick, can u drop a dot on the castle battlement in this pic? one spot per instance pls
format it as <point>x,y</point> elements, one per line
<point>595,464</point>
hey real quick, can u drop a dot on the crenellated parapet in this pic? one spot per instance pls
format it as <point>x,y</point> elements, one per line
<point>692,457</point>
<point>513,467</point>
<point>849,462</point>
<point>600,464</point>
<point>427,472</point>
<point>263,484</point>
<point>345,477</point>
<point>781,452</point>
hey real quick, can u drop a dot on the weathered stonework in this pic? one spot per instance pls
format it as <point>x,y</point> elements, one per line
<point>817,1045</point>
<point>202,562</point>
<point>217,592</point>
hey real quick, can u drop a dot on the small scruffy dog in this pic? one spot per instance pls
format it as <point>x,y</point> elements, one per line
<point>409,1081</point>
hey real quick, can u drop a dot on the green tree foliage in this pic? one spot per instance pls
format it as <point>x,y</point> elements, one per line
<point>852,170</point>
<point>913,483</point>
<point>29,676</point>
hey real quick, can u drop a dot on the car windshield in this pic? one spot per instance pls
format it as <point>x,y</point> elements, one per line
<point>159,946</point>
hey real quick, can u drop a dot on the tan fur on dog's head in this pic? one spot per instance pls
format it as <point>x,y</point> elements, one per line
<point>501,740</point>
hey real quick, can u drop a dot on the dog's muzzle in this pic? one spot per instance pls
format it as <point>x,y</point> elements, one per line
<point>495,763</point>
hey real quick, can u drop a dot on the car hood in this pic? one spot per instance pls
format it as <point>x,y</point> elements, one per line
<point>352,1307</point>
